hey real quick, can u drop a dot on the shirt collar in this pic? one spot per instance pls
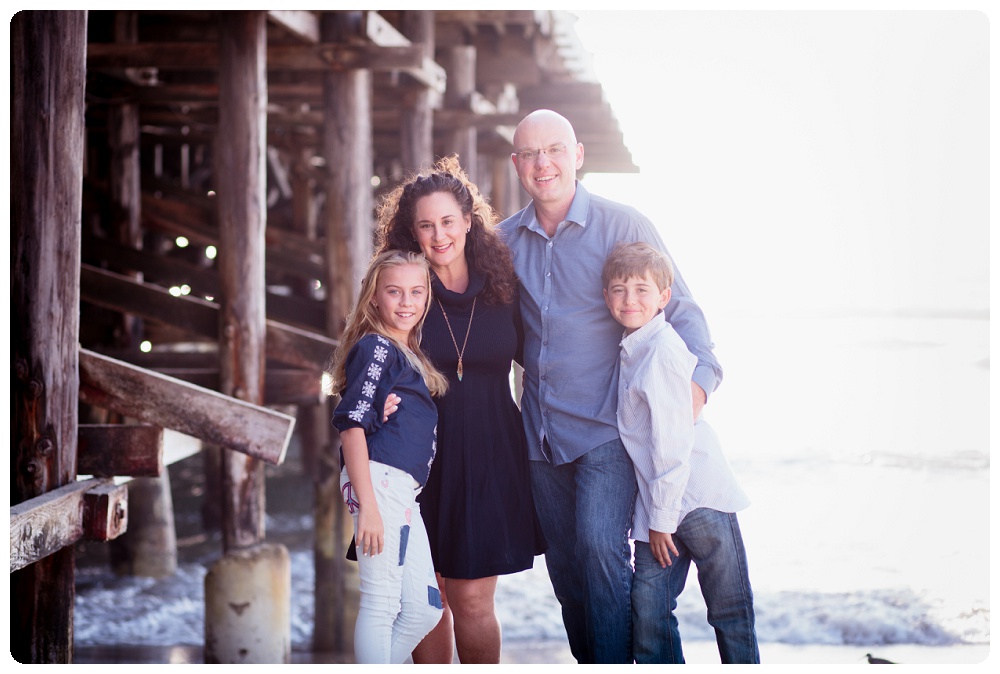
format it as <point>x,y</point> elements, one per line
<point>578,210</point>
<point>634,342</point>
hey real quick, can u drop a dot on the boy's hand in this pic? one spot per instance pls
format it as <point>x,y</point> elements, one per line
<point>699,398</point>
<point>391,405</point>
<point>662,545</point>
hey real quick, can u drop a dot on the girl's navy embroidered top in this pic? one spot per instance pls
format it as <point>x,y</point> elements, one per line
<point>374,368</point>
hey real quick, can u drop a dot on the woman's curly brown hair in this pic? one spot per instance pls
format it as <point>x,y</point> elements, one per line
<point>484,250</point>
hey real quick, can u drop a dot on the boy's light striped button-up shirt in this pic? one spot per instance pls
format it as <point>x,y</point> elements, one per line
<point>679,464</point>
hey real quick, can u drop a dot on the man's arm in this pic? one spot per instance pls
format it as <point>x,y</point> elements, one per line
<point>687,318</point>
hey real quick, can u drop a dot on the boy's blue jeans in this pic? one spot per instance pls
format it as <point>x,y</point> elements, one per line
<point>712,540</point>
<point>585,509</point>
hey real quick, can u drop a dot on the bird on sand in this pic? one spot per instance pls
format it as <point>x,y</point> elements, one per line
<point>872,660</point>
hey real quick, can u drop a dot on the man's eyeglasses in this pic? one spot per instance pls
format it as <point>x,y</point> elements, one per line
<point>552,151</point>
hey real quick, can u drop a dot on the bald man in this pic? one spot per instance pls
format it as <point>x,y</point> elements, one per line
<point>582,478</point>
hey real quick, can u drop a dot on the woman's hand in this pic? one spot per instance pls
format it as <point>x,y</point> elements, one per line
<point>391,405</point>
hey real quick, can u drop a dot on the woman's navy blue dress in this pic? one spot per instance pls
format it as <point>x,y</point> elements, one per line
<point>477,504</point>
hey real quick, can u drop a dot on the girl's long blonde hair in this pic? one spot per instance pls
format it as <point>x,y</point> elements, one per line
<point>364,319</point>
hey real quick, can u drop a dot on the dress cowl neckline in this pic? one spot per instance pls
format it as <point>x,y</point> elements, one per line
<point>450,298</point>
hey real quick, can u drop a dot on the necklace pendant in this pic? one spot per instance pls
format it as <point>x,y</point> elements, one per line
<point>459,370</point>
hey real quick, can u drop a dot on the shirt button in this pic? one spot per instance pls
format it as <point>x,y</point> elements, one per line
<point>550,244</point>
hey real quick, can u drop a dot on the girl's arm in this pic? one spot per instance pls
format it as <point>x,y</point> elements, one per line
<point>371,533</point>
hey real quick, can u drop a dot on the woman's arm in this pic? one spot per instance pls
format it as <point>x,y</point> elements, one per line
<point>371,533</point>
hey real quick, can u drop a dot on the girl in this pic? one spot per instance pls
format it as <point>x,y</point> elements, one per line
<point>386,463</point>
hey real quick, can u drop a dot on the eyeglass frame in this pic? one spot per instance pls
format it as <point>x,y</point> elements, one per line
<point>555,150</point>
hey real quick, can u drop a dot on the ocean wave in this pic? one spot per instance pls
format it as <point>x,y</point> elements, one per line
<point>879,617</point>
<point>142,611</point>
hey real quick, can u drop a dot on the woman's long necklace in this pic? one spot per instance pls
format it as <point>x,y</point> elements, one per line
<point>453,341</point>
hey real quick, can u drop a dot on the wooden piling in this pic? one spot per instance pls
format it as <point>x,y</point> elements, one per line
<point>247,600</point>
<point>240,170</point>
<point>48,57</point>
<point>458,97</point>
<point>416,132</point>
<point>347,147</point>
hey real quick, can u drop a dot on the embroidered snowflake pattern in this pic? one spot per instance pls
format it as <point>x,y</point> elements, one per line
<point>368,389</point>
<point>358,413</point>
<point>380,353</point>
<point>374,371</point>
<point>382,339</point>
<point>434,447</point>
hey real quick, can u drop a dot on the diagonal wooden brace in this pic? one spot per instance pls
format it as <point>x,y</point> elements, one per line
<point>154,398</point>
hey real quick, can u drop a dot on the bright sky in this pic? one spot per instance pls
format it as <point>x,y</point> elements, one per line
<point>809,160</point>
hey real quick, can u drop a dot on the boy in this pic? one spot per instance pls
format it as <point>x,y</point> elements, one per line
<point>688,495</point>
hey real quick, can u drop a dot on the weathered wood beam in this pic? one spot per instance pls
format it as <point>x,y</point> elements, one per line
<point>384,34</point>
<point>285,343</point>
<point>300,23</point>
<point>120,293</point>
<point>576,92</point>
<point>521,17</point>
<point>205,56</point>
<point>281,387</point>
<point>105,512</point>
<point>126,450</point>
<point>48,523</point>
<point>302,312</point>
<point>286,251</point>
<point>154,398</point>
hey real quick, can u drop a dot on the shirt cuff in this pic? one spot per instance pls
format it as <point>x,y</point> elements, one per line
<point>704,376</point>
<point>664,520</point>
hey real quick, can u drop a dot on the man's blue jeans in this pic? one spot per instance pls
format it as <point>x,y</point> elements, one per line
<point>585,509</point>
<point>712,540</point>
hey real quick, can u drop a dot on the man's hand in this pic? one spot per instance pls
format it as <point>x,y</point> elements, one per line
<point>661,545</point>
<point>699,398</point>
<point>391,405</point>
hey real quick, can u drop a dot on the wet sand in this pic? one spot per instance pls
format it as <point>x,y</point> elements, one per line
<point>554,652</point>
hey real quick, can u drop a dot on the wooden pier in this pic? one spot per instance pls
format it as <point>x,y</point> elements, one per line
<point>192,208</point>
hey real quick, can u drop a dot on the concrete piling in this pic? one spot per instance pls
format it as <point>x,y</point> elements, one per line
<point>248,607</point>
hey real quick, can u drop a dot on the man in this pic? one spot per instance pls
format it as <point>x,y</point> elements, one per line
<point>583,481</point>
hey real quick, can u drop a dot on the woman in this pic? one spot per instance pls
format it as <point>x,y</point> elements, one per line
<point>477,504</point>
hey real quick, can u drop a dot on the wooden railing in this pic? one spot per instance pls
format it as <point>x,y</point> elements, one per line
<point>97,508</point>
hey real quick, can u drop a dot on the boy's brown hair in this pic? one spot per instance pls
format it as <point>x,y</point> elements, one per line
<point>636,259</point>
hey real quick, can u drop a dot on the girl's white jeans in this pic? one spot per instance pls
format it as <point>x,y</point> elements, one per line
<point>400,600</point>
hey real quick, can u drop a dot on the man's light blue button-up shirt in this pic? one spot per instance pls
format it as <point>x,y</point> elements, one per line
<point>571,340</point>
